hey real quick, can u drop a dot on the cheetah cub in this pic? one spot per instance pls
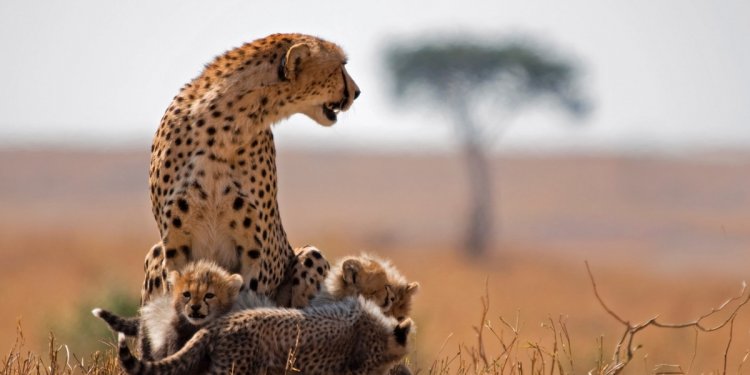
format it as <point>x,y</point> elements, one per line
<point>201,293</point>
<point>401,290</point>
<point>351,336</point>
<point>373,278</point>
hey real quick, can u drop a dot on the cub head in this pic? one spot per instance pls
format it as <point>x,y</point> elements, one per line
<point>400,290</point>
<point>361,276</point>
<point>315,73</point>
<point>203,291</point>
<point>402,295</point>
<point>375,279</point>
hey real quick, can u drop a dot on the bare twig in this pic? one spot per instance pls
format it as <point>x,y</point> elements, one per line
<point>618,363</point>
<point>514,343</point>
<point>668,369</point>
<point>742,362</point>
<point>445,342</point>
<point>566,343</point>
<point>695,352</point>
<point>729,343</point>
<point>601,301</point>
<point>480,329</point>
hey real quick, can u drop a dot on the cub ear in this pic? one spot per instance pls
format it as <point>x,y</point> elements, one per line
<point>290,63</point>
<point>351,268</point>
<point>401,332</point>
<point>234,284</point>
<point>412,288</point>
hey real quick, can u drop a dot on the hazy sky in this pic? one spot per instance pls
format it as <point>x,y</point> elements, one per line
<point>664,75</point>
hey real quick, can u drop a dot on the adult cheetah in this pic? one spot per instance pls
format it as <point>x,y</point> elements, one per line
<point>213,168</point>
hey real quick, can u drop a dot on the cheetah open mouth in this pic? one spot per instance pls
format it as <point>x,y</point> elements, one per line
<point>331,110</point>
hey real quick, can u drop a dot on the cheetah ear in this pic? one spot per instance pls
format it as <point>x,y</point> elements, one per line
<point>351,268</point>
<point>412,288</point>
<point>234,284</point>
<point>291,61</point>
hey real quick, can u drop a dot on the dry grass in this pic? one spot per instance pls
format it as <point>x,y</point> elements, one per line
<point>516,355</point>
<point>57,360</point>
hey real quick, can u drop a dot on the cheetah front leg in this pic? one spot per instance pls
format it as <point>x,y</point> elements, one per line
<point>161,259</point>
<point>177,249</point>
<point>249,251</point>
<point>176,238</point>
<point>246,235</point>
<point>155,276</point>
<point>304,278</point>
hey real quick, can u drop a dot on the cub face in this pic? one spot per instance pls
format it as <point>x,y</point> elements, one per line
<point>316,69</point>
<point>369,279</point>
<point>201,294</point>
<point>402,296</point>
<point>378,281</point>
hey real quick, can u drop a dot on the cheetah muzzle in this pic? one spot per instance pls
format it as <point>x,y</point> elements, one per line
<point>331,110</point>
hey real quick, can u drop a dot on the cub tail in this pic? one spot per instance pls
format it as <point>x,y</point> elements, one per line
<point>128,326</point>
<point>191,358</point>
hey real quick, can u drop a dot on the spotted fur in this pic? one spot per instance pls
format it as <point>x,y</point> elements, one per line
<point>305,280</point>
<point>201,293</point>
<point>351,336</point>
<point>374,278</point>
<point>402,291</point>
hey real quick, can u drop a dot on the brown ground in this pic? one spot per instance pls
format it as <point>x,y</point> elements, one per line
<point>665,237</point>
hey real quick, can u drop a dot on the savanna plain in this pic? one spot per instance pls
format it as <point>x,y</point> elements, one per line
<point>664,237</point>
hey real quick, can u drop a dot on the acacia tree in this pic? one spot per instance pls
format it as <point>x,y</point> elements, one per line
<point>479,86</point>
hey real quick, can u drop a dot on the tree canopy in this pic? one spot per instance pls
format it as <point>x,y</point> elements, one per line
<point>517,71</point>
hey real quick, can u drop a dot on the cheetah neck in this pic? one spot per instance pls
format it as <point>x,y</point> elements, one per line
<point>239,96</point>
<point>228,126</point>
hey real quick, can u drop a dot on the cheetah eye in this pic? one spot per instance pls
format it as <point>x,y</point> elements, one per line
<point>386,302</point>
<point>186,294</point>
<point>209,295</point>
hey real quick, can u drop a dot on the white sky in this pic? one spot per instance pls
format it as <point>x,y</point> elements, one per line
<point>664,75</point>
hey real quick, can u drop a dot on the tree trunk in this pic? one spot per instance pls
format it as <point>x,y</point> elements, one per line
<point>479,230</point>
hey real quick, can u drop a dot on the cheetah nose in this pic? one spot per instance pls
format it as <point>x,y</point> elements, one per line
<point>356,94</point>
<point>195,307</point>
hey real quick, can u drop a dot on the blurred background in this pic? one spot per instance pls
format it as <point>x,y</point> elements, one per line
<point>502,142</point>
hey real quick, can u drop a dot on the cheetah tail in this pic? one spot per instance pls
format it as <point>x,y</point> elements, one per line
<point>186,360</point>
<point>128,326</point>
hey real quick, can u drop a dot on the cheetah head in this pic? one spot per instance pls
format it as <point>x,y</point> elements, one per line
<point>316,69</point>
<point>368,278</point>
<point>203,296</point>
